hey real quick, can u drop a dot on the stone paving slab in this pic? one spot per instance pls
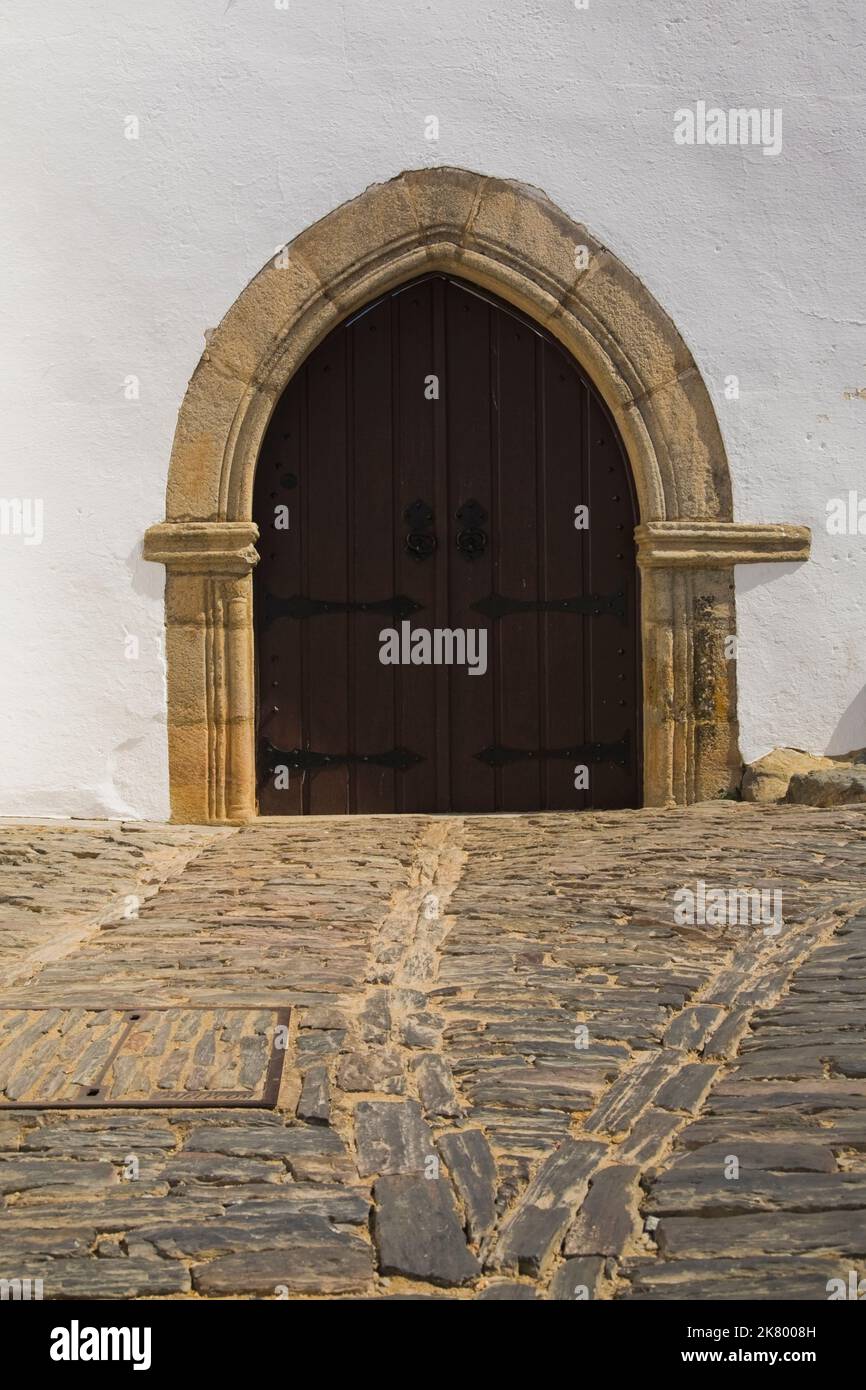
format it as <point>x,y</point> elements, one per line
<point>512,1070</point>
<point>62,880</point>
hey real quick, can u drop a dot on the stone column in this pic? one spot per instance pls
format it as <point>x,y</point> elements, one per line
<point>691,743</point>
<point>211,669</point>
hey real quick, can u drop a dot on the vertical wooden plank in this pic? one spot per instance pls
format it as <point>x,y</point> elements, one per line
<point>280,482</point>
<point>612,697</point>
<point>327,576</point>
<point>563,549</point>
<point>470,423</point>
<point>444,555</point>
<point>516,566</point>
<point>414,480</point>
<point>372,686</point>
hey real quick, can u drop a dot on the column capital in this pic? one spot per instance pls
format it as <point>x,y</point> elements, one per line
<point>718,544</point>
<point>203,547</point>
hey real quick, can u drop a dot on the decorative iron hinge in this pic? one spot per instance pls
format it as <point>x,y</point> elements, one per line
<point>308,760</point>
<point>497,755</point>
<point>498,606</point>
<point>298,606</point>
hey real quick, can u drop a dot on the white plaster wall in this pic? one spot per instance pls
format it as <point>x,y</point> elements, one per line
<point>254,122</point>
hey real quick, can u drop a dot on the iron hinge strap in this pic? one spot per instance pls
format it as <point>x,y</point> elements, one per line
<point>499,605</point>
<point>498,755</point>
<point>309,760</point>
<point>299,606</point>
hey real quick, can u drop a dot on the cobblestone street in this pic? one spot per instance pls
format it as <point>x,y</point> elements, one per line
<point>508,1070</point>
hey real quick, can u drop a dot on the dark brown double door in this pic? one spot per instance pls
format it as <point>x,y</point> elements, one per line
<point>427,469</point>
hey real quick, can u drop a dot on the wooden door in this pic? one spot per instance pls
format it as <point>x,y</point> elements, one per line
<point>439,465</point>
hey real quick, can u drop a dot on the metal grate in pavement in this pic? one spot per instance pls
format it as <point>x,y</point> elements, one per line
<point>88,1057</point>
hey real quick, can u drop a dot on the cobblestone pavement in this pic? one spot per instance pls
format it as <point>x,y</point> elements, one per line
<point>509,1071</point>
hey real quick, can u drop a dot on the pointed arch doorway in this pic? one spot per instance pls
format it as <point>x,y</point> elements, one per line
<point>507,239</point>
<point>446,603</point>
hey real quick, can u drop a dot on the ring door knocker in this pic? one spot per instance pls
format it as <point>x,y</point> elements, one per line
<point>471,539</point>
<point>420,541</point>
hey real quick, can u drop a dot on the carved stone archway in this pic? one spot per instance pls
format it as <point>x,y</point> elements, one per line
<point>509,238</point>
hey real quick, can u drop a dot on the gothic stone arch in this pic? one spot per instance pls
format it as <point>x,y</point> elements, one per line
<point>508,238</point>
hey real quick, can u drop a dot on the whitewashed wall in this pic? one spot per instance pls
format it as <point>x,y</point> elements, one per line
<point>254,121</point>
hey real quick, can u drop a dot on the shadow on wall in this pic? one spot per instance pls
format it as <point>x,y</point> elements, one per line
<point>751,577</point>
<point>146,578</point>
<point>850,732</point>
